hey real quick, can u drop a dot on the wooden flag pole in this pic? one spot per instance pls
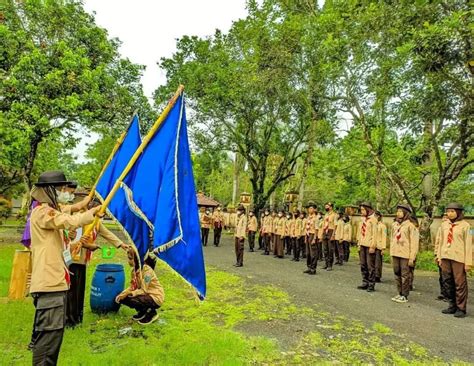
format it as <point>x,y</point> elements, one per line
<point>156,126</point>
<point>117,145</point>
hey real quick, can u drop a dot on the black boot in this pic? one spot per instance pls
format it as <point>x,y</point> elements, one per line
<point>459,314</point>
<point>451,310</point>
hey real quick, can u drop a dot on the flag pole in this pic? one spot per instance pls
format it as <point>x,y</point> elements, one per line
<point>156,126</point>
<point>117,145</point>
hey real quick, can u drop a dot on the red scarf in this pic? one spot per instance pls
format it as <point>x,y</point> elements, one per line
<point>451,234</point>
<point>364,227</point>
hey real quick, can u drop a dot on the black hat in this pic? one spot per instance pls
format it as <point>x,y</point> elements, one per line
<point>366,204</point>
<point>72,184</point>
<point>329,204</point>
<point>405,207</point>
<point>52,178</point>
<point>455,206</point>
<point>241,208</point>
<point>311,204</point>
<point>378,213</point>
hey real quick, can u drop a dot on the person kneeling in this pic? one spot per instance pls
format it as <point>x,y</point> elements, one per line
<point>145,293</point>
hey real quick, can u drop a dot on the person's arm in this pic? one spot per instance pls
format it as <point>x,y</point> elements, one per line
<point>81,205</point>
<point>383,241</point>
<point>373,238</point>
<point>111,238</point>
<point>52,219</point>
<point>437,244</point>
<point>414,240</point>
<point>468,254</point>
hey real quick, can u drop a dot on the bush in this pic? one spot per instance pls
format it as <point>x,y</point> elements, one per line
<point>5,209</point>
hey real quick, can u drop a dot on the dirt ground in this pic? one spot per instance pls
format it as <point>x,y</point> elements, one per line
<point>420,320</point>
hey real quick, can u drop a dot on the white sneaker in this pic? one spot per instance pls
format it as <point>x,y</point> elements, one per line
<point>401,300</point>
<point>395,298</point>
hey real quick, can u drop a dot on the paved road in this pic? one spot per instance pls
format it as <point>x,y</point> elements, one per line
<point>420,320</point>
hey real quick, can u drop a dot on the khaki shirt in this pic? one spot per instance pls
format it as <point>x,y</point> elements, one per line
<point>368,238</point>
<point>381,236</point>
<point>241,227</point>
<point>218,219</point>
<point>329,221</point>
<point>405,240</point>
<point>347,231</point>
<point>274,221</point>
<point>280,226</point>
<point>311,224</point>
<point>252,223</point>
<point>319,227</point>
<point>149,285</point>
<point>460,248</point>
<point>339,230</point>
<point>299,227</point>
<point>206,220</point>
<point>47,245</point>
<point>290,227</point>
<point>267,225</point>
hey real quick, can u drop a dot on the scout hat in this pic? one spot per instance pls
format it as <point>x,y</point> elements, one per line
<point>455,206</point>
<point>241,208</point>
<point>366,204</point>
<point>52,178</point>
<point>405,207</point>
<point>311,204</point>
<point>72,184</point>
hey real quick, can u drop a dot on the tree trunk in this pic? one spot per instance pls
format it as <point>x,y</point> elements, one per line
<point>235,185</point>
<point>378,188</point>
<point>427,187</point>
<point>35,141</point>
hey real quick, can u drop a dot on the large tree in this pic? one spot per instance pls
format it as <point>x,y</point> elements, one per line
<point>59,72</point>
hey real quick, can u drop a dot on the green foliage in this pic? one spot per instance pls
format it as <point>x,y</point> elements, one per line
<point>60,74</point>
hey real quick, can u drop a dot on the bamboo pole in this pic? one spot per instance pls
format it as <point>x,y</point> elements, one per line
<point>156,126</point>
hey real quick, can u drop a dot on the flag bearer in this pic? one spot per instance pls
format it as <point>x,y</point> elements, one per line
<point>240,232</point>
<point>50,256</point>
<point>252,229</point>
<point>403,249</point>
<point>455,256</point>
<point>367,245</point>
<point>381,246</point>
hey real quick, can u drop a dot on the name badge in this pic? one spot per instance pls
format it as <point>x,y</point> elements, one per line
<point>67,256</point>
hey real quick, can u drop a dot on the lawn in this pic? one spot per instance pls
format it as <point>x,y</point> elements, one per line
<point>214,332</point>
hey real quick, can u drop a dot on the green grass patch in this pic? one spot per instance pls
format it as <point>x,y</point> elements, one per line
<point>424,260</point>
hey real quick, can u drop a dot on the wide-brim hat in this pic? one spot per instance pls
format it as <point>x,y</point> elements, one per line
<point>72,184</point>
<point>366,204</point>
<point>405,207</point>
<point>455,206</point>
<point>311,204</point>
<point>240,208</point>
<point>52,178</point>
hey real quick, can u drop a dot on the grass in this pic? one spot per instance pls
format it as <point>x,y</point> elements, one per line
<point>424,260</point>
<point>191,333</point>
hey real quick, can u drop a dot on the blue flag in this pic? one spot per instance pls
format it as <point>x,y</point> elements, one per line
<point>161,187</point>
<point>136,229</point>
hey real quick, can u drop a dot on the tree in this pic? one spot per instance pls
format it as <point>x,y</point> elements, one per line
<point>59,71</point>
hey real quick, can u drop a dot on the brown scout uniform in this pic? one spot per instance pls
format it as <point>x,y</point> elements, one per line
<point>329,226</point>
<point>367,245</point>
<point>267,233</point>
<point>252,229</point>
<point>404,246</point>
<point>346,239</point>
<point>279,227</point>
<point>381,240</point>
<point>455,253</point>
<point>311,245</point>
<point>240,233</point>
<point>218,223</point>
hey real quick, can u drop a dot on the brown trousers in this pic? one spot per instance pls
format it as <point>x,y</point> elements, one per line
<point>239,251</point>
<point>267,239</point>
<point>278,248</point>
<point>455,283</point>
<point>378,264</point>
<point>367,266</point>
<point>402,275</point>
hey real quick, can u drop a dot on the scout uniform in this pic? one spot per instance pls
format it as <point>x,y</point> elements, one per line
<point>312,254</point>
<point>273,223</point>
<point>338,241</point>
<point>240,233</point>
<point>346,237</point>
<point>206,221</point>
<point>298,242</point>
<point>218,223</point>
<point>381,246</point>
<point>455,254</point>
<point>303,247</point>
<point>367,245</point>
<point>329,226</point>
<point>319,235</point>
<point>50,276</point>
<point>252,229</point>
<point>267,232</point>
<point>443,293</point>
<point>289,235</point>
<point>404,246</point>
<point>75,295</point>
<point>279,228</point>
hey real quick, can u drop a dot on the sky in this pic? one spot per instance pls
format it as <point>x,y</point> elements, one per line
<point>148,30</point>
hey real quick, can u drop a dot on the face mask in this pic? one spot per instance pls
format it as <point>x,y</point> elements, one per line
<point>327,209</point>
<point>63,197</point>
<point>251,214</point>
<point>288,216</point>
<point>280,215</point>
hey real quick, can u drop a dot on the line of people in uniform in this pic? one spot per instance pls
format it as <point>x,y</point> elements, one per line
<point>327,236</point>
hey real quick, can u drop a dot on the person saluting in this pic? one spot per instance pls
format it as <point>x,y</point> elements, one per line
<point>50,259</point>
